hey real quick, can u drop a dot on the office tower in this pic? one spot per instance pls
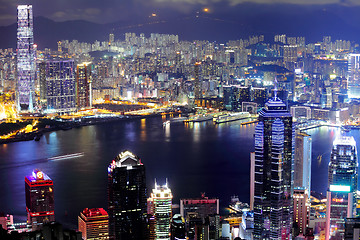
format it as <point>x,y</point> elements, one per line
<point>247,225</point>
<point>274,147</point>
<point>42,78</point>
<point>178,227</point>
<point>26,68</point>
<point>258,96</point>
<point>83,83</point>
<point>352,228</point>
<point>111,39</point>
<point>39,193</point>
<point>127,198</point>
<point>252,180</point>
<point>301,208</point>
<point>60,86</point>
<point>302,161</point>
<point>354,76</point>
<point>342,186</point>
<point>197,81</point>
<point>160,202</point>
<point>94,224</point>
<point>203,206</point>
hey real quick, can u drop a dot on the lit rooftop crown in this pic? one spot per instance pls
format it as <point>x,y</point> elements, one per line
<point>125,159</point>
<point>161,191</point>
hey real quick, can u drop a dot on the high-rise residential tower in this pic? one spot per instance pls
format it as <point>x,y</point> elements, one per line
<point>83,85</point>
<point>39,193</point>
<point>274,148</point>
<point>127,198</point>
<point>160,203</point>
<point>342,186</point>
<point>197,81</point>
<point>354,75</point>
<point>26,68</point>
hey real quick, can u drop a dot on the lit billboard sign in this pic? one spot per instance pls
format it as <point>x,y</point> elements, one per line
<point>339,188</point>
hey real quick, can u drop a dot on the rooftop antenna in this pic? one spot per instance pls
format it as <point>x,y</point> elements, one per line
<point>155,184</point>
<point>166,183</point>
<point>275,89</point>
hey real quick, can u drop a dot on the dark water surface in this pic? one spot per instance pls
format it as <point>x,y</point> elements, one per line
<point>195,157</point>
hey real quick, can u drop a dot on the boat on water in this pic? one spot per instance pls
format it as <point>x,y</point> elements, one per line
<point>201,118</point>
<point>231,117</point>
<point>67,156</point>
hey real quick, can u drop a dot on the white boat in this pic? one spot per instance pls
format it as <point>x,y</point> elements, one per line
<point>232,117</point>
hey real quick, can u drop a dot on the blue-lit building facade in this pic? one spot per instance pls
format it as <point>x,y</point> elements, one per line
<point>353,84</point>
<point>127,198</point>
<point>60,86</point>
<point>302,161</point>
<point>26,67</point>
<point>342,186</point>
<point>274,149</point>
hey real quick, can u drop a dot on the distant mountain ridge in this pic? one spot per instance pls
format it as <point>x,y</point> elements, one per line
<point>234,23</point>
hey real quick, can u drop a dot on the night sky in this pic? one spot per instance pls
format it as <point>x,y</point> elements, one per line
<point>107,11</point>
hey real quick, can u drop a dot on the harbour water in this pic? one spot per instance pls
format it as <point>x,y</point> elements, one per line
<point>194,157</point>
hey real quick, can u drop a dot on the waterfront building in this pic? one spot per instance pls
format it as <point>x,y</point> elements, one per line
<point>60,86</point>
<point>83,85</point>
<point>342,186</point>
<point>26,67</point>
<point>94,224</point>
<point>160,203</point>
<point>301,208</point>
<point>127,198</point>
<point>203,206</point>
<point>302,161</point>
<point>274,150</point>
<point>354,75</point>
<point>39,193</point>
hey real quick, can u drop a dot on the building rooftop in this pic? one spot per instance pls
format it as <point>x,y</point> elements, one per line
<point>344,140</point>
<point>94,212</point>
<point>38,175</point>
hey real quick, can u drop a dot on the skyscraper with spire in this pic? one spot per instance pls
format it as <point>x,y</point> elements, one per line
<point>26,67</point>
<point>274,148</point>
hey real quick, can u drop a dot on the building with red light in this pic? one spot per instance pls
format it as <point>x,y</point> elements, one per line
<point>203,206</point>
<point>39,193</point>
<point>94,224</point>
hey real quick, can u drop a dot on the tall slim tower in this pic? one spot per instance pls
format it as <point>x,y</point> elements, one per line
<point>160,208</point>
<point>274,148</point>
<point>127,198</point>
<point>25,94</point>
<point>302,161</point>
<point>83,82</point>
<point>342,186</point>
<point>39,193</point>
<point>354,76</point>
<point>197,81</point>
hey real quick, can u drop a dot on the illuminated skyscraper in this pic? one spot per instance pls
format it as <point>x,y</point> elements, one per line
<point>197,81</point>
<point>83,82</point>
<point>94,224</point>
<point>26,68</point>
<point>60,86</point>
<point>127,198</point>
<point>342,186</point>
<point>354,76</point>
<point>274,147</point>
<point>301,208</point>
<point>302,161</point>
<point>160,208</point>
<point>39,193</point>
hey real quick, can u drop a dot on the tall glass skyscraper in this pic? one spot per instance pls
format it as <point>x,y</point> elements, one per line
<point>274,148</point>
<point>354,76</point>
<point>127,198</point>
<point>342,186</point>
<point>302,161</point>
<point>26,67</point>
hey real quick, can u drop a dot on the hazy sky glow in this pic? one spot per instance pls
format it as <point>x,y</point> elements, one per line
<point>120,10</point>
